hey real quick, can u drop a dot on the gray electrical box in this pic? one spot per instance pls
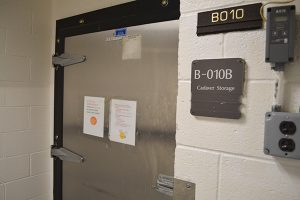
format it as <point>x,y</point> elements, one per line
<point>282,134</point>
<point>281,34</point>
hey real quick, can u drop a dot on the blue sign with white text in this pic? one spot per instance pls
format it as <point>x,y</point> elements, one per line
<point>120,32</point>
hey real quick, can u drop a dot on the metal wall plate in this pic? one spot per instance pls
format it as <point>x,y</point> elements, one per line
<point>282,134</point>
<point>184,190</point>
<point>178,189</point>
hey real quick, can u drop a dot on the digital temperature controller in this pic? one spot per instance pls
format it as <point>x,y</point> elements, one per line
<point>281,31</point>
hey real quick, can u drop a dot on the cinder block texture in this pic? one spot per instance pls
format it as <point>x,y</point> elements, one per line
<point>14,68</point>
<point>250,46</point>
<point>40,59</point>
<point>26,95</point>
<point>43,197</point>
<point>14,119</point>
<point>28,188</point>
<point>2,41</point>
<point>26,142</point>
<point>292,96</point>
<point>20,19</point>
<point>18,43</point>
<point>243,178</point>
<point>40,118</point>
<point>40,162</point>
<point>1,146</point>
<point>40,18</point>
<point>232,150</point>
<point>195,165</point>
<point>2,96</point>
<point>192,47</point>
<point>25,66</point>
<point>14,168</point>
<point>244,136</point>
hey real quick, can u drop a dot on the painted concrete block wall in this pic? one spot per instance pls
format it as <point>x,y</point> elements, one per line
<point>225,157</point>
<point>25,65</point>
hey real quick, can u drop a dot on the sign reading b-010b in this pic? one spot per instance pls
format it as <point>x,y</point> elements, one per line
<point>217,87</point>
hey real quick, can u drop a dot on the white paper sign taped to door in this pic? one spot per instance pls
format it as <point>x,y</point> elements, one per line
<point>122,122</point>
<point>132,47</point>
<point>93,120</point>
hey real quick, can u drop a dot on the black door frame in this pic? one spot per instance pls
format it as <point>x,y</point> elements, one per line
<point>125,15</point>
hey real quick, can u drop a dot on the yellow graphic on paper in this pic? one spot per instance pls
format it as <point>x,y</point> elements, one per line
<point>122,135</point>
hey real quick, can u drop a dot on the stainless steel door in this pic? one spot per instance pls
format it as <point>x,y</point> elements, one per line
<point>114,171</point>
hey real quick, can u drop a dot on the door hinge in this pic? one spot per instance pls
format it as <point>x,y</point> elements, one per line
<point>165,184</point>
<point>64,60</point>
<point>66,155</point>
<point>178,189</point>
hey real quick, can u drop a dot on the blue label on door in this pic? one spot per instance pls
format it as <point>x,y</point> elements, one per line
<point>120,32</point>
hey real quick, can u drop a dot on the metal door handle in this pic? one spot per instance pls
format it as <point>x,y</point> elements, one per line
<point>67,60</point>
<point>66,155</point>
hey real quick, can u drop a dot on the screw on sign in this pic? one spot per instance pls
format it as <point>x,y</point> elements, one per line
<point>164,3</point>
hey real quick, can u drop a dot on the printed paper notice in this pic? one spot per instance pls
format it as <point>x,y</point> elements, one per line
<point>93,116</point>
<point>122,124</point>
<point>132,47</point>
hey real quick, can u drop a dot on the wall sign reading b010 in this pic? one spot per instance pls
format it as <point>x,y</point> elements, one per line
<point>245,17</point>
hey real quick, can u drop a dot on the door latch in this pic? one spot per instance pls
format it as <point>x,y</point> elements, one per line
<point>178,189</point>
<point>66,155</point>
